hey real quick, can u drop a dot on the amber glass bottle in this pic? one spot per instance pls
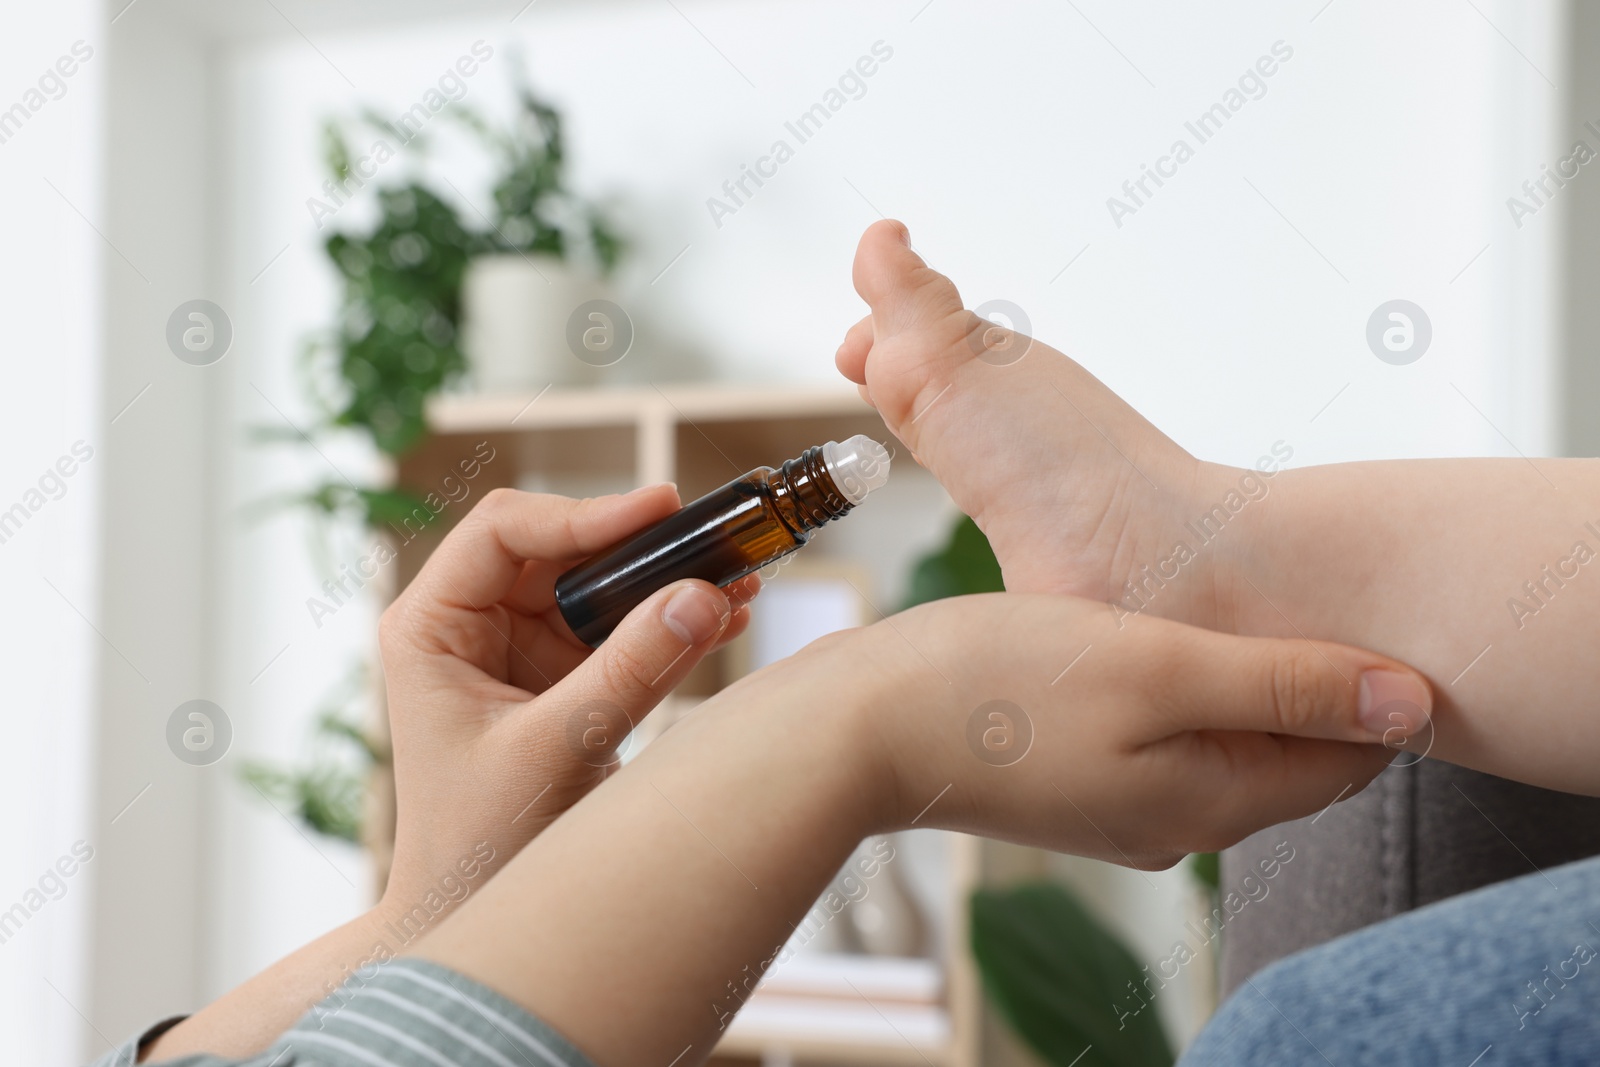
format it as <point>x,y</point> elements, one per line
<point>752,521</point>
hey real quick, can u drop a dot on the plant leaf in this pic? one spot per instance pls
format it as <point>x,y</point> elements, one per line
<point>1060,978</point>
<point>965,565</point>
<point>1206,868</point>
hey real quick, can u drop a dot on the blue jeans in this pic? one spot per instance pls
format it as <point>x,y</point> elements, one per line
<point>1507,974</point>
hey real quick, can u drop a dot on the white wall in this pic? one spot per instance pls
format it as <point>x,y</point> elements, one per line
<point>49,302</point>
<point>154,551</point>
<point>1389,143</point>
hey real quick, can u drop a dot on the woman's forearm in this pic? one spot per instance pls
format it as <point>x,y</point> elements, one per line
<point>1483,574</point>
<point>250,1017</point>
<point>719,838</point>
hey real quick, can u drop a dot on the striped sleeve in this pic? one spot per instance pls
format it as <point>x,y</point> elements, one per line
<point>411,1013</point>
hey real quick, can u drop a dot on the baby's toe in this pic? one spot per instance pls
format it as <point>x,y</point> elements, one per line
<point>903,291</point>
<point>851,359</point>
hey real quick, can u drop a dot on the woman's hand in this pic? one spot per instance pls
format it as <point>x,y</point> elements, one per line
<point>501,718</point>
<point>1149,739</point>
<point>1057,722</point>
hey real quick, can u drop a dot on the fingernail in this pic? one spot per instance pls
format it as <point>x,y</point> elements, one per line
<point>1393,701</point>
<point>905,235</point>
<point>643,489</point>
<point>693,615</point>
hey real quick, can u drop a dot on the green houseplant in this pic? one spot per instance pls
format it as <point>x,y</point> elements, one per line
<point>548,252</point>
<point>398,341</point>
<point>327,789</point>
<point>535,211</point>
<point>1055,974</point>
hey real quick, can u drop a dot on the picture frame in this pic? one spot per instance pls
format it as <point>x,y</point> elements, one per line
<point>807,599</point>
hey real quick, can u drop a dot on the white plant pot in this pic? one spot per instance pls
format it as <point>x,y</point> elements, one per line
<point>514,321</point>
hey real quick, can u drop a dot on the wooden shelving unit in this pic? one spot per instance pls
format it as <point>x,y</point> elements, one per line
<point>697,435</point>
<point>587,441</point>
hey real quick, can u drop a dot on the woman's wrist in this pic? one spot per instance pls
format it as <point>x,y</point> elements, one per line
<point>699,858</point>
<point>837,705</point>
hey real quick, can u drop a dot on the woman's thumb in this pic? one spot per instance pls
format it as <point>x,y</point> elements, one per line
<point>648,654</point>
<point>1304,688</point>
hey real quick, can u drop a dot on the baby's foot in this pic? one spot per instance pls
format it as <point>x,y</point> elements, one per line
<point>1075,490</point>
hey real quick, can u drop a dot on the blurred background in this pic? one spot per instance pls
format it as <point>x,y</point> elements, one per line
<point>275,269</point>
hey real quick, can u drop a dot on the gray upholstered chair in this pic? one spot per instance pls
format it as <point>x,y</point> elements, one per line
<point>1418,834</point>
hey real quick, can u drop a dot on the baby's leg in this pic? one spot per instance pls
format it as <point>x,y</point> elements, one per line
<point>1479,572</point>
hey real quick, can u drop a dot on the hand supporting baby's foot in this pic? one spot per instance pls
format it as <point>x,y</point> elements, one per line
<point>1075,490</point>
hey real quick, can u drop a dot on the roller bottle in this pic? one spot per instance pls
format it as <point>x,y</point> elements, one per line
<point>754,520</point>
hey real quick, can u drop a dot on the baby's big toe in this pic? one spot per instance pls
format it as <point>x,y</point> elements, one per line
<point>903,291</point>
<point>916,337</point>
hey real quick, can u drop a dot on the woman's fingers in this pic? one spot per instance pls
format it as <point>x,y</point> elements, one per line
<point>545,651</point>
<point>739,593</point>
<point>1278,779</point>
<point>482,561</point>
<point>1313,689</point>
<point>1276,729</point>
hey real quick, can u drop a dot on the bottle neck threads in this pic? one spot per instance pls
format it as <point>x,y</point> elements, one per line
<point>805,493</point>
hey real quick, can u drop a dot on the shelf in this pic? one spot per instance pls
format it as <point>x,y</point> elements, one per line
<point>860,1009</point>
<point>850,976</point>
<point>859,1033</point>
<point>698,435</point>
